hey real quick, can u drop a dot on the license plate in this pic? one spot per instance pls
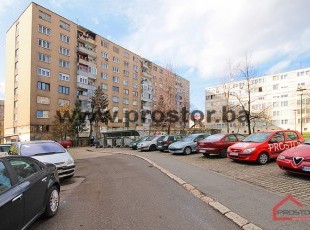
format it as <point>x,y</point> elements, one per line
<point>305,168</point>
<point>233,154</point>
<point>202,151</point>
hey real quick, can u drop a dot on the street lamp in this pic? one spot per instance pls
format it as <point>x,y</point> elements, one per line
<point>295,110</point>
<point>300,89</point>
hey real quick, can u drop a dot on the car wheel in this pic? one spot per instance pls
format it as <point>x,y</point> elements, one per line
<point>52,202</point>
<point>206,154</point>
<point>223,153</point>
<point>187,150</point>
<point>263,158</point>
<point>152,148</point>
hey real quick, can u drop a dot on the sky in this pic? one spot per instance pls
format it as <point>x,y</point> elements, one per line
<point>198,37</point>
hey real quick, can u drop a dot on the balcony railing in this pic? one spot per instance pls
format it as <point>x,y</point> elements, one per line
<point>86,61</point>
<point>87,51</point>
<point>86,73</point>
<point>86,86</point>
<point>87,39</point>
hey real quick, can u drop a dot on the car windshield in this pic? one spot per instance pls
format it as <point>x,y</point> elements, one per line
<point>215,137</point>
<point>150,138</point>
<point>41,149</point>
<point>257,137</point>
<point>189,138</point>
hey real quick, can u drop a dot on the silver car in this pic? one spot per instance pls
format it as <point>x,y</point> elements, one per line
<point>46,152</point>
<point>188,144</point>
<point>150,143</point>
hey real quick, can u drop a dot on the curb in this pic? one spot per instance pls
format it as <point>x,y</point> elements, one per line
<point>237,219</point>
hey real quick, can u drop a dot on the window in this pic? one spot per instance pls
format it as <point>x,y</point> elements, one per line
<point>231,138</point>
<point>135,59</point>
<point>278,137</point>
<point>15,104</point>
<point>260,89</point>
<point>115,59</point>
<point>4,179</point>
<point>126,91</point>
<point>44,44</point>
<point>64,25</point>
<point>126,83</point>
<point>104,65</point>
<point>125,101</point>
<point>115,69</point>
<point>115,49</point>
<point>44,30</point>
<point>44,16</point>
<point>64,77</point>
<point>16,91</point>
<point>44,57</point>
<point>63,89</point>
<point>104,75</point>
<point>126,54</point>
<point>155,68</point>
<point>284,122</point>
<point>135,76</point>
<point>135,85</point>
<point>291,136</point>
<point>43,72</point>
<point>63,102</point>
<point>126,73</point>
<point>116,79</point>
<point>115,99</point>
<point>92,70</point>
<point>64,38</point>
<point>64,64</point>
<point>15,117</point>
<point>284,103</point>
<point>16,77</point>
<point>43,100</point>
<point>115,89</point>
<point>275,87</point>
<point>104,55</point>
<point>126,63</point>
<point>43,114</point>
<point>43,86</point>
<point>104,86</point>
<point>134,102</point>
<point>135,94</point>
<point>105,44</point>
<point>83,80</point>
<point>64,51</point>
<point>136,68</point>
<point>16,53</point>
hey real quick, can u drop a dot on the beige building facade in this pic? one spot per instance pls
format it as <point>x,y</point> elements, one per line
<point>52,62</point>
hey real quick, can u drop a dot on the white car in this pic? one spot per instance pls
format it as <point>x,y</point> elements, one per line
<point>150,143</point>
<point>46,152</point>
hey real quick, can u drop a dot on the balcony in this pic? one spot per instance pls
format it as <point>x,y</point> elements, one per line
<point>85,61</point>
<point>85,73</point>
<point>83,97</point>
<point>86,38</point>
<point>86,86</point>
<point>87,51</point>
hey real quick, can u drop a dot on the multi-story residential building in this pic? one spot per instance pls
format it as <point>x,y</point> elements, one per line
<point>276,96</point>
<point>52,61</point>
<point>1,120</point>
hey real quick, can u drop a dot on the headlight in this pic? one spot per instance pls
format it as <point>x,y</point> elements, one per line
<point>70,161</point>
<point>247,151</point>
<point>281,157</point>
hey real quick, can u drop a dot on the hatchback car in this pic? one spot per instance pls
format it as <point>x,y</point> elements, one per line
<point>163,144</point>
<point>296,160</point>
<point>188,144</point>
<point>263,146</point>
<point>28,189</point>
<point>66,143</point>
<point>46,152</point>
<point>133,145</point>
<point>149,143</point>
<point>218,143</point>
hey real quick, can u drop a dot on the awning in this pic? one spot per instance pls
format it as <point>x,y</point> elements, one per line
<point>124,133</point>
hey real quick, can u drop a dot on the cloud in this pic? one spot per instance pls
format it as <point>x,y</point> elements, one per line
<point>5,4</point>
<point>95,20</point>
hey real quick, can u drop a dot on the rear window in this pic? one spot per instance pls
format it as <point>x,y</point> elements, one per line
<point>291,136</point>
<point>215,137</point>
<point>41,149</point>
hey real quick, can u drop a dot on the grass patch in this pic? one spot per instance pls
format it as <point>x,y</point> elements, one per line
<point>306,135</point>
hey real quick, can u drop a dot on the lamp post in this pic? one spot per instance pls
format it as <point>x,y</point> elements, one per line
<point>295,110</point>
<point>300,89</point>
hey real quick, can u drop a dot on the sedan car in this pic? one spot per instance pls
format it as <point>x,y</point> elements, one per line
<point>188,144</point>
<point>150,143</point>
<point>218,143</point>
<point>296,160</point>
<point>163,144</point>
<point>46,152</point>
<point>133,144</point>
<point>28,189</point>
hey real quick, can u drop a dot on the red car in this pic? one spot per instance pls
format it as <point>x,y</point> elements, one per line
<point>218,143</point>
<point>66,143</point>
<point>296,160</point>
<point>263,146</point>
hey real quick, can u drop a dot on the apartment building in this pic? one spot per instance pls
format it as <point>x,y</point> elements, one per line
<point>277,96</point>
<point>52,61</point>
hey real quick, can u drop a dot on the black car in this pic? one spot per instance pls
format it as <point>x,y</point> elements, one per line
<point>28,189</point>
<point>163,144</point>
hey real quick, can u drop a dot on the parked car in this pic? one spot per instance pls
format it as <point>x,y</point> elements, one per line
<point>149,143</point>
<point>28,189</point>
<point>188,144</point>
<point>296,160</point>
<point>4,149</point>
<point>46,152</point>
<point>66,143</point>
<point>163,144</point>
<point>133,145</point>
<point>218,143</point>
<point>263,146</point>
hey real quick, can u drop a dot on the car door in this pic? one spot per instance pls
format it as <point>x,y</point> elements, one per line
<point>198,138</point>
<point>11,202</point>
<point>34,183</point>
<point>229,140</point>
<point>291,139</point>
<point>276,144</point>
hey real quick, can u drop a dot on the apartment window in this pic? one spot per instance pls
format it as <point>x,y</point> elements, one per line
<point>64,51</point>
<point>115,49</point>
<point>104,75</point>
<point>284,122</point>
<point>64,38</point>
<point>275,104</point>
<point>16,65</point>
<point>16,53</point>
<point>43,100</point>
<point>275,87</point>
<point>64,64</point>
<point>16,91</point>
<point>44,30</point>
<point>115,99</point>
<point>136,68</point>
<point>115,69</point>
<point>115,89</point>
<point>104,65</point>
<point>125,101</point>
<point>92,70</point>
<point>105,44</point>
<point>43,114</point>
<point>15,117</point>
<point>16,77</point>
<point>43,72</point>
<point>83,80</point>
<point>63,77</point>
<point>126,54</point>
<point>15,104</point>
<point>155,68</point>
<point>115,59</point>
<point>276,113</point>
<point>63,102</point>
<point>126,91</point>
<point>126,73</point>
<point>63,89</point>
<point>17,29</point>
<point>135,76</point>
<point>104,86</point>
<point>135,85</point>
<point>116,79</point>
<point>44,16</point>
<point>17,40</point>
<point>44,57</point>
<point>43,86</point>
<point>64,25</point>
<point>260,89</point>
<point>135,94</point>
<point>135,102</point>
<point>126,63</point>
<point>135,59</point>
<point>160,70</point>
<point>44,44</point>
<point>126,83</point>
<point>284,103</point>
<point>104,55</point>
